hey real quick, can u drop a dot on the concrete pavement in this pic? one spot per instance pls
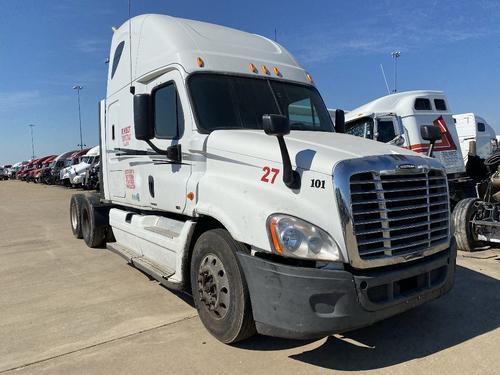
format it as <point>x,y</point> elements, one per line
<point>68,309</point>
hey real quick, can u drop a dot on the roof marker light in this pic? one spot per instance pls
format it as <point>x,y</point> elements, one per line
<point>252,68</point>
<point>309,77</point>
<point>276,71</point>
<point>114,28</point>
<point>264,70</point>
<point>200,62</point>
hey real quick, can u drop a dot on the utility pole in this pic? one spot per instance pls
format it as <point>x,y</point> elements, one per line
<point>78,88</point>
<point>32,142</point>
<point>396,55</point>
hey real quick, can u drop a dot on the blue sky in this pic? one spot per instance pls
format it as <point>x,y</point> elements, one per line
<point>49,46</point>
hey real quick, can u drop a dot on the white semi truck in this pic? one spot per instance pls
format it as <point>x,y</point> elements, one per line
<point>398,118</point>
<point>478,141</point>
<point>222,175</point>
<point>78,172</point>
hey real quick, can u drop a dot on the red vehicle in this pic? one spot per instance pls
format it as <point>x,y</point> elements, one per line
<point>34,165</point>
<point>25,169</point>
<point>36,174</point>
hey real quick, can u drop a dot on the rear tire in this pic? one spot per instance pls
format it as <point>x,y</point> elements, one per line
<point>219,287</point>
<point>75,214</point>
<point>94,223</point>
<point>461,223</point>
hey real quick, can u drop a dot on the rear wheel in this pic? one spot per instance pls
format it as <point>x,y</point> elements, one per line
<point>75,214</point>
<point>94,223</point>
<point>462,217</point>
<point>219,287</point>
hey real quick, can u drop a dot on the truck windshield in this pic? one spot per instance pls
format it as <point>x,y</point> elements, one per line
<point>229,102</point>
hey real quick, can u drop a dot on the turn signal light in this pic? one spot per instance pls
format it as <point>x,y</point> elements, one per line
<point>200,62</point>
<point>274,236</point>
<point>190,195</point>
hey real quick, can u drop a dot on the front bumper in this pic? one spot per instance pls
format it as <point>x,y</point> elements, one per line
<point>301,303</point>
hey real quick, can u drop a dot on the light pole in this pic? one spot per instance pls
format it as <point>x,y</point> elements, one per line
<point>396,55</point>
<point>78,88</point>
<point>32,143</point>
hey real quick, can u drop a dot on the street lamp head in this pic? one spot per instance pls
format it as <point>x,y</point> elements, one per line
<point>77,87</point>
<point>396,54</point>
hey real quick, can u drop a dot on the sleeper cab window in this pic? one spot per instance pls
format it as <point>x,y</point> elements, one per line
<point>422,104</point>
<point>168,115</point>
<point>116,58</point>
<point>440,104</point>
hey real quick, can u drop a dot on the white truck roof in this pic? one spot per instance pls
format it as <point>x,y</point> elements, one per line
<point>402,102</point>
<point>94,151</point>
<point>176,41</point>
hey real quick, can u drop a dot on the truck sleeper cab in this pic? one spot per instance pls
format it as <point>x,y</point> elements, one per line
<point>221,174</point>
<point>397,119</point>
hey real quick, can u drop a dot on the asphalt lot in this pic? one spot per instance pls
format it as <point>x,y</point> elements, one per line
<point>68,309</point>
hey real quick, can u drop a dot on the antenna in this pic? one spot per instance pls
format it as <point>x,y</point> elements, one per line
<point>132,88</point>
<point>385,79</point>
<point>32,142</point>
<point>396,55</point>
<point>275,34</point>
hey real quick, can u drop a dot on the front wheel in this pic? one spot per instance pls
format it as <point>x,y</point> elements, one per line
<point>75,214</point>
<point>462,216</point>
<point>219,287</point>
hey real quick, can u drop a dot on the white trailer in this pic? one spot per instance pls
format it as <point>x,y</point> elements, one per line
<point>398,118</point>
<point>222,175</point>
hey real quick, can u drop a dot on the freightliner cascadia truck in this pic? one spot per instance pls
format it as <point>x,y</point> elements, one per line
<point>222,175</point>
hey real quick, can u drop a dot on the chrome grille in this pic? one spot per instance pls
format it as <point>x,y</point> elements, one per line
<point>399,214</point>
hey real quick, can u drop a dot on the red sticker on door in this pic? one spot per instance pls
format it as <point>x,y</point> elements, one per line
<point>129,178</point>
<point>126,135</point>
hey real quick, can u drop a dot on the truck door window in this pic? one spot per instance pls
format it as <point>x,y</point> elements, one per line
<point>423,104</point>
<point>481,127</point>
<point>385,131</point>
<point>168,116</point>
<point>362,127</point>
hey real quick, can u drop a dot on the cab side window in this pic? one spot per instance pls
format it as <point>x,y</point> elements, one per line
<point>385,130</point>
<point>168,115</point>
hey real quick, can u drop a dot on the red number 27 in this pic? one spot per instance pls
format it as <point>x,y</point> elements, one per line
<point>267,172</point>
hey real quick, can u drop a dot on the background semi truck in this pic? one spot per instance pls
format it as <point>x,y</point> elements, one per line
<point>397,119</point>
<point>222,175</point>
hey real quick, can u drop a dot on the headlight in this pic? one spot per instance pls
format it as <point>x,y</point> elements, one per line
<point>296,238</point>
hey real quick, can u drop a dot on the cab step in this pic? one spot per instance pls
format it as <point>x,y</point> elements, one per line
<point>159,273</point>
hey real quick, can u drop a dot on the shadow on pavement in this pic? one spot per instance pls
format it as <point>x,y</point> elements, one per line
<point>470,309</point>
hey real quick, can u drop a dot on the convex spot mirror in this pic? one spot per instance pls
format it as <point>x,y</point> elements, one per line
<point>143,124</point>
<point>276,125</point>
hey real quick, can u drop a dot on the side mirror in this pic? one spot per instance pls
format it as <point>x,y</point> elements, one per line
<point>279,126</point>
<point>432,134</point>
<point>143,126</point>
<point>339,121</point>
<point>276,125</point>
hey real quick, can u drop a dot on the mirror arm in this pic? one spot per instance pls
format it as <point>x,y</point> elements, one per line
<point>163,152</point>
<point>431,148</point>
<point>291,178</point>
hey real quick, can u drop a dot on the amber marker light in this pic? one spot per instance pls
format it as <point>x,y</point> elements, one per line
<point>252,68</point>
<point>114,28</point>
<point>190,195</point>
<point>200,62</point>
<point>276,71</point>
<point>309,77</point>
<point>274,236</point>
<point>264,70</point>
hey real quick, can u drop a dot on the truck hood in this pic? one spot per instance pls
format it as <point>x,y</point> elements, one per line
<point>309,150</point>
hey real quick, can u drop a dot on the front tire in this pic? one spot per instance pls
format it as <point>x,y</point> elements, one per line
<point>219,287</point>
<point>462,216</point>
